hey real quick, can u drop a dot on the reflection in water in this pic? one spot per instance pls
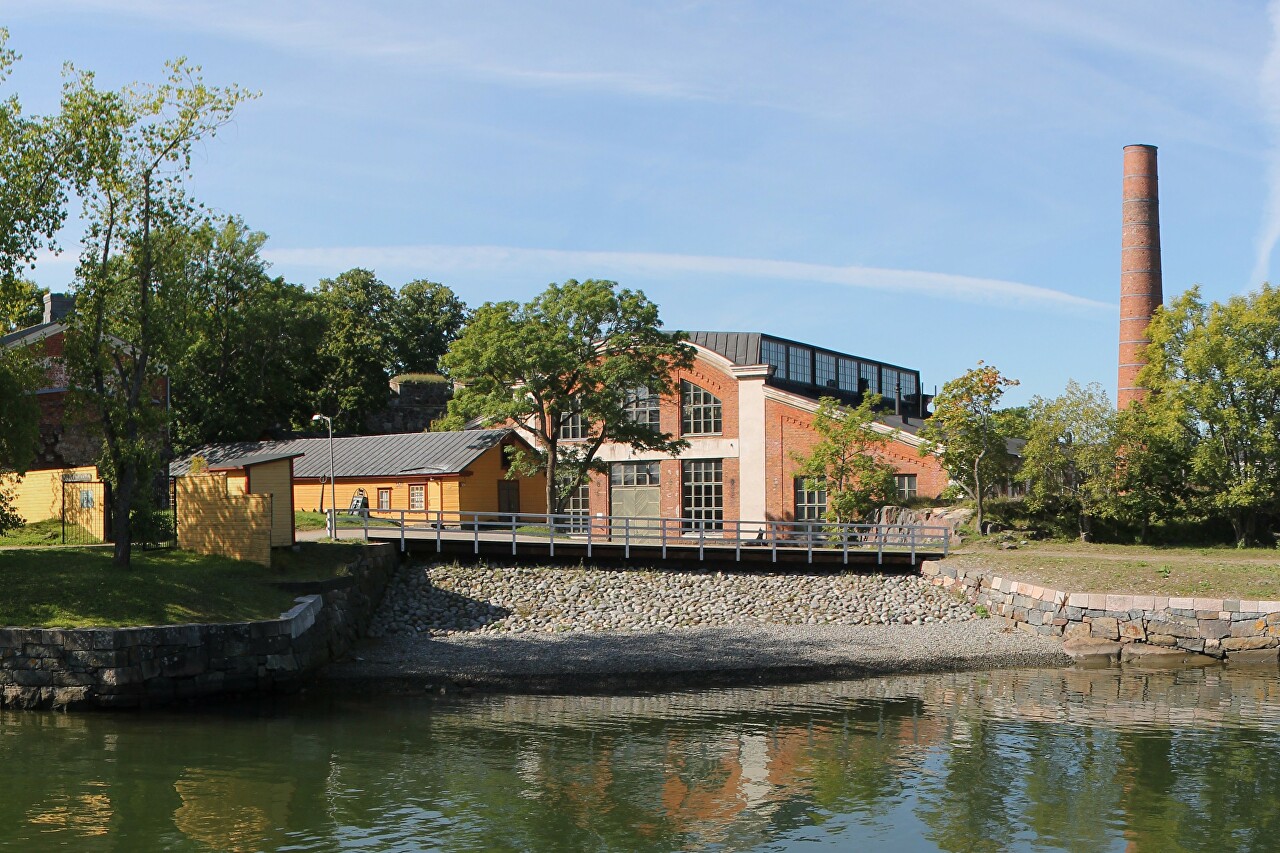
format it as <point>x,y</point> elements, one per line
<point>1024,759</point>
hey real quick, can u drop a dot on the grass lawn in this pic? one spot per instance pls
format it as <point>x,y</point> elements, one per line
<point>80,588</point>
<point>47,532</point>
<point>1134,569</point>
<point>307,520</point>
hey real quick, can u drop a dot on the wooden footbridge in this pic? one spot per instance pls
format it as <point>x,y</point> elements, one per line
<point>645,540</point>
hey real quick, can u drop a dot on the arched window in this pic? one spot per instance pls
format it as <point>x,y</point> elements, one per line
<point>699,410</point>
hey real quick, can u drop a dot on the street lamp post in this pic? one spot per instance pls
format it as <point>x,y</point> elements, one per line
<point>333,489</point>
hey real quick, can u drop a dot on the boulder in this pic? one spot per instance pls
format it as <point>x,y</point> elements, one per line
<point>1143,655</point>
<point>1092,650</point>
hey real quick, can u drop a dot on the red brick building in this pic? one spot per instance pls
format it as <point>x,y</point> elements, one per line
<point>746,408</point>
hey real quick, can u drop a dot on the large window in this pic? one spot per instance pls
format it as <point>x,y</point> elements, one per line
<point>699,410</point>
<point>642,407</point>
<point>849,375</point>
<point>870,374</point>
<point>634,474</point>
<point>775,354</point>
<point>811,504</point>
<point>906,486</point>
<point>824,370</point>
<point>578,508</point>
<point>799,364</point>
<point>417,497</point>
<point>572,427</point>
<point>889,378</point>
<point>909,388</point>
<point>704,494</point>
<point>384,499</point>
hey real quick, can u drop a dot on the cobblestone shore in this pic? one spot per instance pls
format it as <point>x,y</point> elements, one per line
<point>444,599</point>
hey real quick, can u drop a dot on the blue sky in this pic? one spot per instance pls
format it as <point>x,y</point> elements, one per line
<point>927,183</point>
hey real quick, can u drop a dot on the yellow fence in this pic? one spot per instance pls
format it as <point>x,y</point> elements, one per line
<point>213,520</point>
<point>38,496</point>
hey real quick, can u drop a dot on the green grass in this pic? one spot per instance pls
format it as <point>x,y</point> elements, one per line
<point>308,520</point>
<point>47,532</point>
<point>1224,572</point>
<point>80,588</point>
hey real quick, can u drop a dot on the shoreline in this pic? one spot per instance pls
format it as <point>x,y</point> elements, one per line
<point>684,658</point>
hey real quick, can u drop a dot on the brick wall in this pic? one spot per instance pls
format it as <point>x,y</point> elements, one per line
<point>789,432</point>
<point>213,521</point>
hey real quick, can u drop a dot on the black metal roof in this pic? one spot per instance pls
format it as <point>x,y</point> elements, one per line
<point>398,454</point>
<point>738,347</point>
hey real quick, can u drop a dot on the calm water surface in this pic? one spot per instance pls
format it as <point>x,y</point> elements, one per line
<point>1010,760</point>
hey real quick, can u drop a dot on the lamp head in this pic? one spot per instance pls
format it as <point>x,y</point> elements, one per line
<point>315,418</point>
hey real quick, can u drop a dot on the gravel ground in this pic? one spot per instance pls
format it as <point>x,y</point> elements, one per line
<point>574,630</point>
<point>445,599</point>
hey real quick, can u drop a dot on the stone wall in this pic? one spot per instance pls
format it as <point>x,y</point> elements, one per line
<point>72,668</point>
<point>1212,626</point>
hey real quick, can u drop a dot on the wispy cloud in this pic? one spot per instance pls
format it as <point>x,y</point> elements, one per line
<point>561,263</point>
<point>1269,92</point>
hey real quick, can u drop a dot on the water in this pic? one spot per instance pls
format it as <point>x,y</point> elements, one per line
<point>1009,760</point>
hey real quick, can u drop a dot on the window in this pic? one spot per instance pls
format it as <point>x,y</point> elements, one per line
<point>799,363</point>
<point>849,375</point>
<point>571,427</point>
<point>889,381</point>
<point>906,486</point>
<point>870,374</point>
<point>908,385</point>
<point>704,494</point>
<point>775,354</point>
<point>824,370</point>
<point>642,407</point>
<point>578,508</point>
<point>700,410</point>
<point>417,497</point>
<point>634,474</point>
<point>384,499</point>
<point>811,504</point>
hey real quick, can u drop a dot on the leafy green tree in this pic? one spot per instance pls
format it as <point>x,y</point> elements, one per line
<point>425,318</point>
<point>19,424</point>
<point>578,350</point>
<point>968,436</point>
<point>1069,460</point>
<point>356,349</point>
<point>134,154</point>
<point>21,303</point>
<point>1217,367</point>
<point>1153,466</point>
<point>847,462</point>
<point>234,375</point>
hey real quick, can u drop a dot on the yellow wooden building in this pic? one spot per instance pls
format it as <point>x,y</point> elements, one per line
<point>455,472</point>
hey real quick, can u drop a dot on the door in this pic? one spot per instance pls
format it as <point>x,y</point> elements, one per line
<point>508,496</point>
<point>635,492</point>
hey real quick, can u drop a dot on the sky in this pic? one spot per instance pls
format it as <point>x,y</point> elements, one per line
<point>924,183</point>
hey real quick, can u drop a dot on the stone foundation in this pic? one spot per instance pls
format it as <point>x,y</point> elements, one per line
<point>1212,626</point>
<point>71,668</point>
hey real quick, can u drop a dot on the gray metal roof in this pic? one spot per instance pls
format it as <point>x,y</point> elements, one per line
<point>398,454</point>
<point>35,332</point>
<point>255,459</point>
<point>738,347</point>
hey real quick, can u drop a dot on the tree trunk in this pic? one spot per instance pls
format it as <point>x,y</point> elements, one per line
<point>977,490</point>
<point>552,450</point>
<point>1086,527</point>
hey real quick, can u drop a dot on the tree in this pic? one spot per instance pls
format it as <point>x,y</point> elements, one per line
<point>846,460</point>
<point>19,424</point>
<point>1217,368</point>
<point>1069,460</point>
<point>21,303</point>
<point>966,434</point>
<point>356,349</point>
<point>1153,470</point>
<point>133,156</point>
<point>244,357</point>
<point>583,350</point>
<point>425,318</point>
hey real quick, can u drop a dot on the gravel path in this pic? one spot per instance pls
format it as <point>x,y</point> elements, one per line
<point>547,629</point>
<point>444,599</point>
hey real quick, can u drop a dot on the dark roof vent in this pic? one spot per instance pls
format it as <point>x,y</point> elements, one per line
<point>57,306</point>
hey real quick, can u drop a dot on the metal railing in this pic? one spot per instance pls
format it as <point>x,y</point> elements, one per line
<point>663,534</point>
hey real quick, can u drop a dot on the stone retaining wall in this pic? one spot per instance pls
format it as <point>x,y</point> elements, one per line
<point>1211,626</point>
<point>69,668</point>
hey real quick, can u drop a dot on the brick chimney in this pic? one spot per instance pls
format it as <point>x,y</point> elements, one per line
<point>57,306</point>
<point>1141,287</point>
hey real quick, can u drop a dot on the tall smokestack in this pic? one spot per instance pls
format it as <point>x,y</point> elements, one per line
<point>1141,287</point>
